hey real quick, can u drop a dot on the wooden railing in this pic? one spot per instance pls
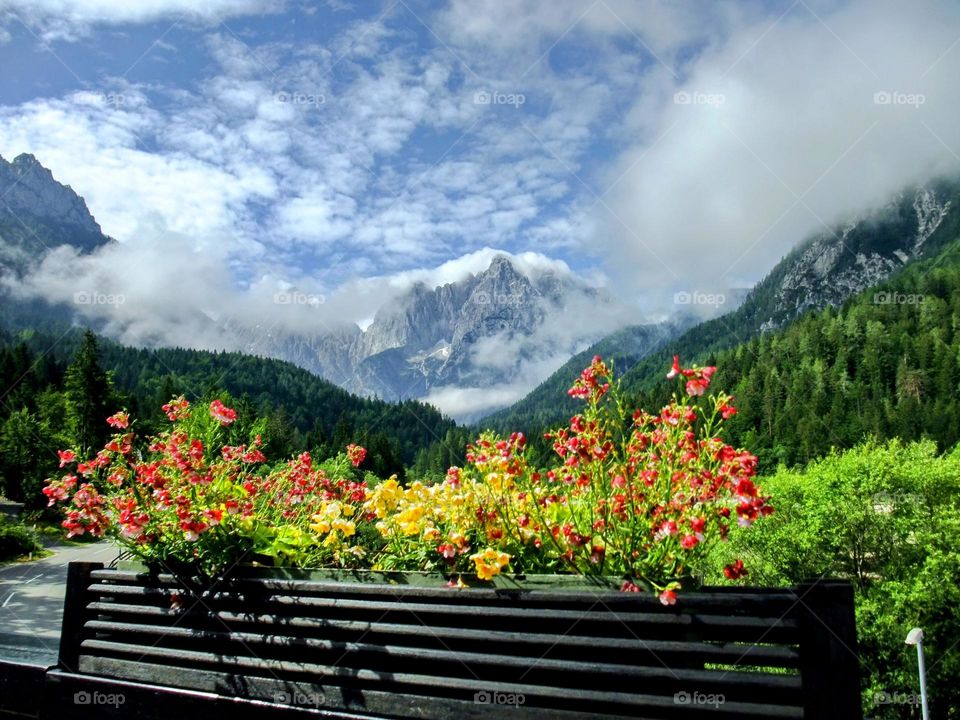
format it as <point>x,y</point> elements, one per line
<point>152,646</point>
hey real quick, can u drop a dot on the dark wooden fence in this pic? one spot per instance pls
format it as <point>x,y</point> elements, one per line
<point>149,646</point>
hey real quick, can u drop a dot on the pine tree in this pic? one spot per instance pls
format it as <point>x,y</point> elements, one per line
<point>89,397</point>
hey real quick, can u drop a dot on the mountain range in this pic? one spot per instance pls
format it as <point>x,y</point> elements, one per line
<point>470,346</point>
<point>477,345</point>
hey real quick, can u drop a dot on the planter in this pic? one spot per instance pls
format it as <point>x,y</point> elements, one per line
<point>186,572</point>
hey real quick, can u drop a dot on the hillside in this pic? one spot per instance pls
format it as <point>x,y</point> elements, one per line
<point>293,409</point>
<point>822,271</point>
<point>884,365</point>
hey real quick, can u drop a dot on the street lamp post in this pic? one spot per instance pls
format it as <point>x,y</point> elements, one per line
<point>915,637</point>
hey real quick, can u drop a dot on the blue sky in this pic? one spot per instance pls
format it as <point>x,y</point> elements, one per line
<point>650,146</point>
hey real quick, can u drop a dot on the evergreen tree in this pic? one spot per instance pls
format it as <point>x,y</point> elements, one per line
<point>89,397</point>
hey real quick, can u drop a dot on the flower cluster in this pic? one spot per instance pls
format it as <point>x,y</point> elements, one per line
<point>637,496</point>
<point>197,493</point>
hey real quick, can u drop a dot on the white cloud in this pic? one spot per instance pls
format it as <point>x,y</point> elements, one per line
<point>468,403</point>
<point>99,149</point>
<point>778,135</point>
<point>355,167</point>
<point>73,19</point>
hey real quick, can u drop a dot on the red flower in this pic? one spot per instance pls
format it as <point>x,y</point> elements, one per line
<point>177,408</point>
<point>66,456</point>
<point>666,530</point>
<point>221,413</point>
<point>668,597</point>
<point>726,409</point>
<point>735,571</point>
<point>192,529</point>
<point>675,370</point>
<point>630,587</point>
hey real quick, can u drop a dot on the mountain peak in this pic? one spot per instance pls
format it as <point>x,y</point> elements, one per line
<point>38,213</point>
<point>500,262</point>
<point>30,189</point>
<point>26,159</point>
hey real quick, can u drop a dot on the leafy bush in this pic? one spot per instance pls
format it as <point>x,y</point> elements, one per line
<point>17,539</point>
<point>886,516</point>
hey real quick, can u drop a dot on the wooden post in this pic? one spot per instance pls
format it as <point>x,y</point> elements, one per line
<point>74,613</point>
<point>829,659</point>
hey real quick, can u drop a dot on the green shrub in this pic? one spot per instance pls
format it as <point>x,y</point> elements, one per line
<point>886,517</point>
<point>16,540</point>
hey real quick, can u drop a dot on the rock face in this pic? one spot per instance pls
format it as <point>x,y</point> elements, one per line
<point>475,332</point>
<point>829,267</point>
<point>37,213</point>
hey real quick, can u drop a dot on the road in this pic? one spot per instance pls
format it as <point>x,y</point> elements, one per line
<point>31,601</point>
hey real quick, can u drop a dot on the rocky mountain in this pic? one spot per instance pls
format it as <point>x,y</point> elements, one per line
<point>37,214</point>
<point>489,330</point>
<point>831,266</point>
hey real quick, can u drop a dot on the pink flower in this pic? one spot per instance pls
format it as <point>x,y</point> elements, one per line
<point>119,420</point>
<point>221,413</point>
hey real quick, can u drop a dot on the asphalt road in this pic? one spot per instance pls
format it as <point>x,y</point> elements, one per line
<point>31,601</point>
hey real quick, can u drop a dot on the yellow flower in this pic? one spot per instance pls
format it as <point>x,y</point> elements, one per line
<point>409,520</point>
<point>430,534</point>
<point>383,498</point>
<point>321,526</point>
<point>489,563</point>
<point>344,527</point>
